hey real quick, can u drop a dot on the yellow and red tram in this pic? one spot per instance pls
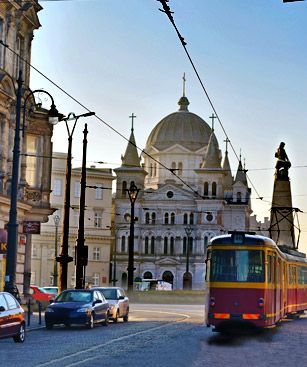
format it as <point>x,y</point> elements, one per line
<point>252,281</point>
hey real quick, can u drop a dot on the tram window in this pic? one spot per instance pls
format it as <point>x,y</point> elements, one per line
<point>208,261</point>
<point>237,266</point>
<point>270,269</point>
<point>302,275</point>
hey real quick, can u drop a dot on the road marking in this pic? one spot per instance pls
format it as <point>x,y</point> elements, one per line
<point>184,317</point>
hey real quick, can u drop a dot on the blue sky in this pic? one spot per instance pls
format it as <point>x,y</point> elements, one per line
<point>119,57</point>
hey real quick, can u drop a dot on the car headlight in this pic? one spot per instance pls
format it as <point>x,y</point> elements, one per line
<point>49,309</point>
<point>83,309</point>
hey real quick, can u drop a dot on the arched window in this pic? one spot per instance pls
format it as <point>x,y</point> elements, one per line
<point>239,197</point>
<point>146,245</point>
<point>124,188</point>
<point>172,218</point>
<point>152,246</point>
<point>190,245</point>
<point>206,189</point>
<point>213,188</point>
<point>191,218</point>
<point>185,218</point>
<point>123,244</point>
<point>153,218</point>
<point>147,219</point>
<point>173,165</point>
<point>172,245</point>
<point>206,240</point>
<point>166,218</point>
<point>180,167</point>
<point>147,275</point>
<point>165,250</point>
<point>184,245</point>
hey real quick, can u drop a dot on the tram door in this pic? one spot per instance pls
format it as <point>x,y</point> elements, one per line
<point>284,287</point>
<point>277,290</point>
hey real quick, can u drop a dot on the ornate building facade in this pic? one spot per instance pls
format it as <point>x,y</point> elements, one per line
<point>187,195</point>
<point>18,21</point>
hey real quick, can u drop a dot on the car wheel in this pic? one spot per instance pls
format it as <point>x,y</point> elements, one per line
<point>90,324</point>
<point>106,320</point>
<point>20,337</point>
<point>126,317</point>
<point>49,326</point>
<point>115,319</point>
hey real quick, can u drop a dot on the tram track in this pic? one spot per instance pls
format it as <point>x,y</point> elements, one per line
<point>82,356</point>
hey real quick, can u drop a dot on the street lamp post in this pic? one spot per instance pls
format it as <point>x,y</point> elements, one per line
<point>64,259</point>
<point>133,193</point>
<point>188,231</point>
<point>56,220</point>
<point>12,226</point>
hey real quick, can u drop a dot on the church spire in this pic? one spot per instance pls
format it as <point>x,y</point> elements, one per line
<point>241,173</point>
<point>131,157</point>
<point>228,180</point>
<point>212,157</point>
<point>183,101</point>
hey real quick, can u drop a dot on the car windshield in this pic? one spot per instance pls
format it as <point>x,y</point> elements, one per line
<point>109,293</point>
<point>42,290</point>
<point>74,297</point>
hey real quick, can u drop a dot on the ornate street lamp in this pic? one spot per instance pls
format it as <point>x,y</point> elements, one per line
<point>133,194</point>
<point>12,226</point>
<point>56,220</point>
<point>64,259</point>
<point>187,277</point>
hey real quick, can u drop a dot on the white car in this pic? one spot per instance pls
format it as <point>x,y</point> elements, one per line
<point>118,301</point>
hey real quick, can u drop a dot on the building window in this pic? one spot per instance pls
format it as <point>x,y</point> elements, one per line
<point>77,188</point>
<point>147,219</point>
<point>34,250</point>
<point>173,166</point>
<point>96,253</point>
<point>76,217</point>
<point>191,218</point>
<point>206,189</point>
<point>152,246</point>
<point>57,187</point>
<point>165,250</point>
<point>185,218</point>
<point>123,244</point>
<point>124,188</point>
<point>153,218</point>
<point>98,219</point>
<point>239,197</point>
<point>184,246</point>
<point>180,168</point>
<point>98,192</point>
<point>172,245</point>
<point>151,170</point>
<point>147,275</point>
<point>205,243</point>
<point>146,245</point>
<point>172,218</point>
<point>155,170</point>
<point>166,218</point>
<point>33,173</point>
<point>96,278</point>
<point>73,281</point>
<point>214,189</point>
<point>19,54</point>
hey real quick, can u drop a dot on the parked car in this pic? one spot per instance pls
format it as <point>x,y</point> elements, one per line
<point>78,306</point>
<point>40,294</point>
<point>12,323</point>
<point>52,290</point>
<point>118,301</point>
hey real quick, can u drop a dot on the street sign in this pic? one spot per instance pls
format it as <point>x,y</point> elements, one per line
<point>31,227</point>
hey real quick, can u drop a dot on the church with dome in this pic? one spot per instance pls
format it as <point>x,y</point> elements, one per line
<point>186,195</point>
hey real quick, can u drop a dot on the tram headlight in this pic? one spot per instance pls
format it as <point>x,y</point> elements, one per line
<point>261,302</point>
<point>212,302</point>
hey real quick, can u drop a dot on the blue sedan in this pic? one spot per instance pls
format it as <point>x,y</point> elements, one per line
<point>78,306</point>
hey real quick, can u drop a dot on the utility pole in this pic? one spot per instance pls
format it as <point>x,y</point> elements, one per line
<point>81,249</point>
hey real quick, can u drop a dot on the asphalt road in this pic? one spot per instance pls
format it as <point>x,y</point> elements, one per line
<point>159,336</point>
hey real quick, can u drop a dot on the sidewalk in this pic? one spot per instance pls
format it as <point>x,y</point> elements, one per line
<point>34,321</point>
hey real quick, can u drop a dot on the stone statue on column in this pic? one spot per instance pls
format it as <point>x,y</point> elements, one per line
<point>283,164</point>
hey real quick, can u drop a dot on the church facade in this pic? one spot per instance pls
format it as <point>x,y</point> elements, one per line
<point>187,195</point>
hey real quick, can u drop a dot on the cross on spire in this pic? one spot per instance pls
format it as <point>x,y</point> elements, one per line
<point>183,85</point>
<point>212,117</point>
<point>227,141</point>
<point>132,117</point>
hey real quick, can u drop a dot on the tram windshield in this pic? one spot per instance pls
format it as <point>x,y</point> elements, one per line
<point>236,266</point>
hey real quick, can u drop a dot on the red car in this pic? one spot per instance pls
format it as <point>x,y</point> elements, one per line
<point>40,294</point>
